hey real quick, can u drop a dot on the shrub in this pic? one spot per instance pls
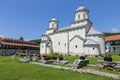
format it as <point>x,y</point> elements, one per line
<point>119,54</point>
<point>22,54</point>
<point>108,58</point>
<point>50,56</point>
<point>69,55</point>
<point>45,57</point>
<point>82,57</point>
<point>54,55</point>
<point>96,55</point>
<point>60,57</point>
<point>76,55</point>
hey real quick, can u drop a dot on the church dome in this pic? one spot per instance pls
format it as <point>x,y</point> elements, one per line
<point>81,8</point>
<point>54,19</point>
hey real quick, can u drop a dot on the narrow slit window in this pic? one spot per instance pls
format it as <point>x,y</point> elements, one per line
<point>58,43</point>
<point>52,25</point>
<point>78,16</point>
<point>84,16</point>
<point>76,46</point>
<point>65,44</point>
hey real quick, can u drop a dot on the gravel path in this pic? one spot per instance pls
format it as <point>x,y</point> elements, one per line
<point>90,71</point>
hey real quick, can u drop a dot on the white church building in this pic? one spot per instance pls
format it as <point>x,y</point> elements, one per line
<point>80,38</point>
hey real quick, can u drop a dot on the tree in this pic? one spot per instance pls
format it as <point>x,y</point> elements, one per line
<point>37,41</point>
<point>21,38</point>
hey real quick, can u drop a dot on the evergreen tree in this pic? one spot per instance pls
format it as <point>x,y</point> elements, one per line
<point>21,38</point>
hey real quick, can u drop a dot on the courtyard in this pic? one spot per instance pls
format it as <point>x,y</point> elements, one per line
<point>12,69</point>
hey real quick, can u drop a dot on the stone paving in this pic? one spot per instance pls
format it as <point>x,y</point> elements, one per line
<point>90,71</point>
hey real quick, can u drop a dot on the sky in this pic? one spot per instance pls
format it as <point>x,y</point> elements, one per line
<point>30,18</point>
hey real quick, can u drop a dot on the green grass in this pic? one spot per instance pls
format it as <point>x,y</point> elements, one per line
<point>11,69</point>
<point>115,56</point>
<point>93,61</point>
<point>71,58</point>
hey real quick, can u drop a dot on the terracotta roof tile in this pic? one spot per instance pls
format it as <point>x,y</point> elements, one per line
<point>18,43</point>
<point>112,38</point>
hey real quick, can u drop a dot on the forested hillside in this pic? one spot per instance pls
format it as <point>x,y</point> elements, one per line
<point>110,34</point>
<point>37,41</point>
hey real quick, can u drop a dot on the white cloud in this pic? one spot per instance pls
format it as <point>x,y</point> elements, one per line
<point>114,30</point>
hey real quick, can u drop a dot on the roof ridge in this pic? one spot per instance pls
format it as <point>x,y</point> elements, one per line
<point>93,31</point>
<point>90,42</point>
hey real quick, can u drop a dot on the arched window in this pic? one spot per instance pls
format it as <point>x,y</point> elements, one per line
<point>52,25</point>
<point>75,46</point>
<point>84,16</point>
<point>58,43</point>
<point>65,44</point>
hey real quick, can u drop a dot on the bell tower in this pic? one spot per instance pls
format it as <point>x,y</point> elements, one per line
<point>81,14</point>
<point>53,25</point>
<point>81,17</point>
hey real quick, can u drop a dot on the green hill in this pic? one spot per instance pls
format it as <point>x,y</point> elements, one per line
<point>37,41</point>
<point>110,34</point>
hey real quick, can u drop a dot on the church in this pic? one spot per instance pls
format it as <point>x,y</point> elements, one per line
<point>80,38</point>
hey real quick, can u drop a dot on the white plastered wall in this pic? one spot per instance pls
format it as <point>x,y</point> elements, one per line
<point>76,46</point>
<point>100,40</point>
<point>91,50</point>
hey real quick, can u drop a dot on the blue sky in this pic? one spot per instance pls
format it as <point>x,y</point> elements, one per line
<point>30,18</point>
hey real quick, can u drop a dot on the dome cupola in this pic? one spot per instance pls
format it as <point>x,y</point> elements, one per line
<point>54,19</point>
<point>81,8</point>
<point>53,23</point>
<point>81,13</point>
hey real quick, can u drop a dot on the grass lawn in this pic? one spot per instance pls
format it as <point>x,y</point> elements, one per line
<point>11,69</point>
<point>93,61</point>
<point>115,56</point>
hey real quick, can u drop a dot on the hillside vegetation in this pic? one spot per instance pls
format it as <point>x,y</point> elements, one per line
<point>110,34</point>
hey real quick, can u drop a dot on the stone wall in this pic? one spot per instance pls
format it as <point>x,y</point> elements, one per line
<point>109,65</point>
<point>80,63</point>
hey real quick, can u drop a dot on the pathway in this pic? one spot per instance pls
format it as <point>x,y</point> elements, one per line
<point>90,71</point>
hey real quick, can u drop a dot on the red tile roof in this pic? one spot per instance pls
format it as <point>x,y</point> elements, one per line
<point>112,38</point>
<point>16,42</point>
<point>4,38</point>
